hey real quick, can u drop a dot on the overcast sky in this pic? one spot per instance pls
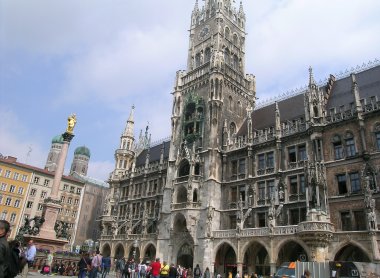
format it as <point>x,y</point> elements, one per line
<point>98,58</point>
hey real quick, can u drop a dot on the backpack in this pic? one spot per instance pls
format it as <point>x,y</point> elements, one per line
<point>197,271</point>
<point>121,265</point>
<point>143,269</point>
<point>15,264</point>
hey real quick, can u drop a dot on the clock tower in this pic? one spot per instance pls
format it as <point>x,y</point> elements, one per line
<point>211,100</point>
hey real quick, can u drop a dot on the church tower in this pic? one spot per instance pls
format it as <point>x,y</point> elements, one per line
<point>125,154</point>
<point>55,150</point>
<point>210,102</point>
<point>80,161</point>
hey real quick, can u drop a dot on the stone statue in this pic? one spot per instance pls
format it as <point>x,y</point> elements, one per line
<point>71,121</point>
<point>372,223</point>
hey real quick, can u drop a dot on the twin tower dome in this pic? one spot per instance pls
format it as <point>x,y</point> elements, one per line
<point>81,158</point>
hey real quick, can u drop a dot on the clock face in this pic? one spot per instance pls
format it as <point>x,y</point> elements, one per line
<point>204,33</point>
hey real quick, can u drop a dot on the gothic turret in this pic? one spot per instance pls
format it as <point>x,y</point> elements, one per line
<point>314,102</point>
<point>125,153</point>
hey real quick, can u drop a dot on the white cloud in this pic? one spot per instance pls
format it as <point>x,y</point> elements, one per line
<point>15,141</point>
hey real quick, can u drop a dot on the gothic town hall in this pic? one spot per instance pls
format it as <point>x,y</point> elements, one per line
<point>245,187</point>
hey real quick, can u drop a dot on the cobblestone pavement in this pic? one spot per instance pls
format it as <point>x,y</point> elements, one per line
<point>38,275</point>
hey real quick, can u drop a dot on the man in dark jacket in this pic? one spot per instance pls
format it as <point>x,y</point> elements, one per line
<point>4,248</point>
<point>106,265</point>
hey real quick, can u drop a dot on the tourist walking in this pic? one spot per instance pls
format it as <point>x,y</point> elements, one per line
<point>156,267</point>
<point>84,265</point>
<point>49,261</point>
<point>119,268</point>
<point>197,271</point>
<point>164,272</point>
<point>207,273</point>
<point>106,266</point>
<point>142,270</point>
<point>30,255</point>
<point>96,264</point>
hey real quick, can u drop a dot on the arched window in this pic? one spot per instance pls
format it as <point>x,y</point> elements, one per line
<point>227,33</point>
<point>227,56</point>
<point>236,40</point>
<point>197,60</point>
<point>230,103</point>
<point>338,148</point>
<point>195,195</point>
<point>184,168</point>
<point>350,144</point>
<point>207,55</point>
<point>232,128</point>
<point>236,62</point>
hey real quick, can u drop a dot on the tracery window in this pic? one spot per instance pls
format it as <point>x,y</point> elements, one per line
<point>338,147</point>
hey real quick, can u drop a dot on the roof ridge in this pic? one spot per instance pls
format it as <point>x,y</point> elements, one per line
<point>302,89</point>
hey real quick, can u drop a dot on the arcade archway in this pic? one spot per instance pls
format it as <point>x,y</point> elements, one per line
<point>150,253</point>
<point>291,252</point>
<point>225,260</point>
<point>351,253</point>
<point>119,251</point>
<point>106,250</point>
<point>134,253</point>
<point>256,260</point>
<point>185,256</point>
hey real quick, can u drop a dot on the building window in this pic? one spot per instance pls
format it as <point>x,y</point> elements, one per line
<point>360,220</point>
<point>261,219</point>
<point>13,217</point>
<point>74,214</point>
<point>79,191</point>
<point>33,192</point>
<point>7,174</point>
<point>24,178</point>
<point>36,180</point>
<point>270,189</point>
<point>294,216</point>
<point>40,207</point>
<point>338,148</point>
<point>46,182</point>
<point>76,202</point>
<point>4,215</point>
<point>302,156</point>
<point>12,188</point>
<point>72,189</point>
<point>302,184</point>
<point>65,187</point>
<point>293,185</point>
<point>15,176</point>
<point>17,203</point>
<point>342,184</point>
<point>3,187</point>
<point>8,201</point>
<point>238,168</point>
<point>261,186</point>
<point>62,199</point>
<point>69,200</point>
<point>350,147</point>
<point>20,190</point>
<point>43,194</point>
<point>261,161</point>
<point>378,140</point>
<point>292,154</point>
<point>241,168</point>
<point>67,212</point>
<point>29,204</point>
<point>355,182</point>
<point>345,219</point>
<point>270,160</point>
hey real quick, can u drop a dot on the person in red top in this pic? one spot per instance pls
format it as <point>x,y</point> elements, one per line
<point>156,267</point>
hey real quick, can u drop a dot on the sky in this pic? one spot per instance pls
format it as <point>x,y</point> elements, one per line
<point>98,58</point>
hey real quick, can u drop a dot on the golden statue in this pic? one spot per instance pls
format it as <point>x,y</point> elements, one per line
<point>71,121</point>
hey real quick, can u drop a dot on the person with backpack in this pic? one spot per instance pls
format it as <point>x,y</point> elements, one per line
<point>142,270</point>
<point>120,266</point>
<point>197,271</point>
<point>173,271</point>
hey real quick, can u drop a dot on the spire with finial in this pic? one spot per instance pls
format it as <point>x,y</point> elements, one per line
<point>130,124</point>
<point>196,8</point>
<point>311,78</point>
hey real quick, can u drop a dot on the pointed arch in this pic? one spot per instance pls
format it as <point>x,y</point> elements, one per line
<point>149,252</point>
<point>184,168</point>
<point>290,250</point>
<point>179,223</point>
<point>106,250</point>
<point>181,194</point>
<point>119,251</point>
<point>256,258</point>
<point>195,195</point>
<point>225,258</point>
<point>352,251</point>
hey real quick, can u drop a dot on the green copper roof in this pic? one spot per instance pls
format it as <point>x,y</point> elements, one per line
<point>57,139</point>
<point>83,151</point>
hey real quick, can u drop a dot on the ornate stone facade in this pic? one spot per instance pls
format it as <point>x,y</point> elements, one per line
<point>240,187</point>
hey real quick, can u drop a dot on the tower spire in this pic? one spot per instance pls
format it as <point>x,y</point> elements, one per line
<point>311,78</point>
<point>130,124</point>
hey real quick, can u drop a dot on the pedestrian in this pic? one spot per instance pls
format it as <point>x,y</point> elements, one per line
<point>207,273</point>
<point>156,267</point>
<point>120,266</point>
<point>96,264</point>
<point>172,271</point>
<point>237,275</point>
<point>197,271</point>
<point>106,266</point>
<point>49,261</point>
<point>219,275</point>
<point>164,272</point>
<point>30,255</point>
<point>4,248</point>
<point>142,270</point>
<point>84,265</point>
